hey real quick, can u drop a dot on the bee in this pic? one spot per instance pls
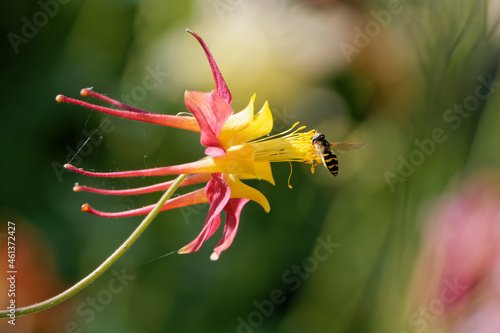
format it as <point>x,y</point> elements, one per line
<point>324,148</point>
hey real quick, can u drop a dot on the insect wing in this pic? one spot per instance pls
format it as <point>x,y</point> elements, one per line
<point>347,146</point>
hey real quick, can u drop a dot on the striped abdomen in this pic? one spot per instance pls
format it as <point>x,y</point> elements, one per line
<point>331,162</point>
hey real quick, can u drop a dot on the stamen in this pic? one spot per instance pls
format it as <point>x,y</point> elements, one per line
<point>290,145</point>
<point>290,176</point>
<point>279,134</point>
<point>89,92</point>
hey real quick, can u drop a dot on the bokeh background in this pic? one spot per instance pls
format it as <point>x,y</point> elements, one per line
<point>413,217</point>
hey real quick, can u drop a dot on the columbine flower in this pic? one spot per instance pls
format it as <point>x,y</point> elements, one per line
<point>237,147</point>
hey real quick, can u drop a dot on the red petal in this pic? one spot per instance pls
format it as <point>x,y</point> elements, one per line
<point>90,92</point>
<point>220,84</point>
<point>193,179</point>
<point>233,210</point>
<point>218,193</point>
<point>211,112</point>
<point>200,166</point>
<point>188,199</point>
<point>187,123</point>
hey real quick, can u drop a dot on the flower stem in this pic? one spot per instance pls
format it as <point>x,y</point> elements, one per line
<point>105,265</point>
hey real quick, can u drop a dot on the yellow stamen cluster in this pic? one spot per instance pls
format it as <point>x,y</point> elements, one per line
<point>285,147</point>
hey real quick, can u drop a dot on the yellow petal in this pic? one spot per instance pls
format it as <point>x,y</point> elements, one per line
<point>235,124</point>
<point>262,172</point>
<point>242,190</point>
<point>237,160</point>
<point>261,125</point>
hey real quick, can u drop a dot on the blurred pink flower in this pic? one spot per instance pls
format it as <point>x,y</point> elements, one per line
<point>457,273</point>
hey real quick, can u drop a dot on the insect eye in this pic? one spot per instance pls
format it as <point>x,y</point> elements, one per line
<point>317,137</point>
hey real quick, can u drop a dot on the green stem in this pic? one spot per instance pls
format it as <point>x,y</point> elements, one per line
<point>105,265</point>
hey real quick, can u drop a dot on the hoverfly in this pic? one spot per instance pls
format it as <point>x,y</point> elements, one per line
<point>324,148</point>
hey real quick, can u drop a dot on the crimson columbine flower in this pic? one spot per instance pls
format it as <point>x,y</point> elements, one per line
<point>237,147</point>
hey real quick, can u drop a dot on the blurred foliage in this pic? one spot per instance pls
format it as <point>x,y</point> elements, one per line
<point>424,58</point>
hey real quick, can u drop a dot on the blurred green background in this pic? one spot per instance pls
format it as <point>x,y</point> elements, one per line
<point>389,73</point>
